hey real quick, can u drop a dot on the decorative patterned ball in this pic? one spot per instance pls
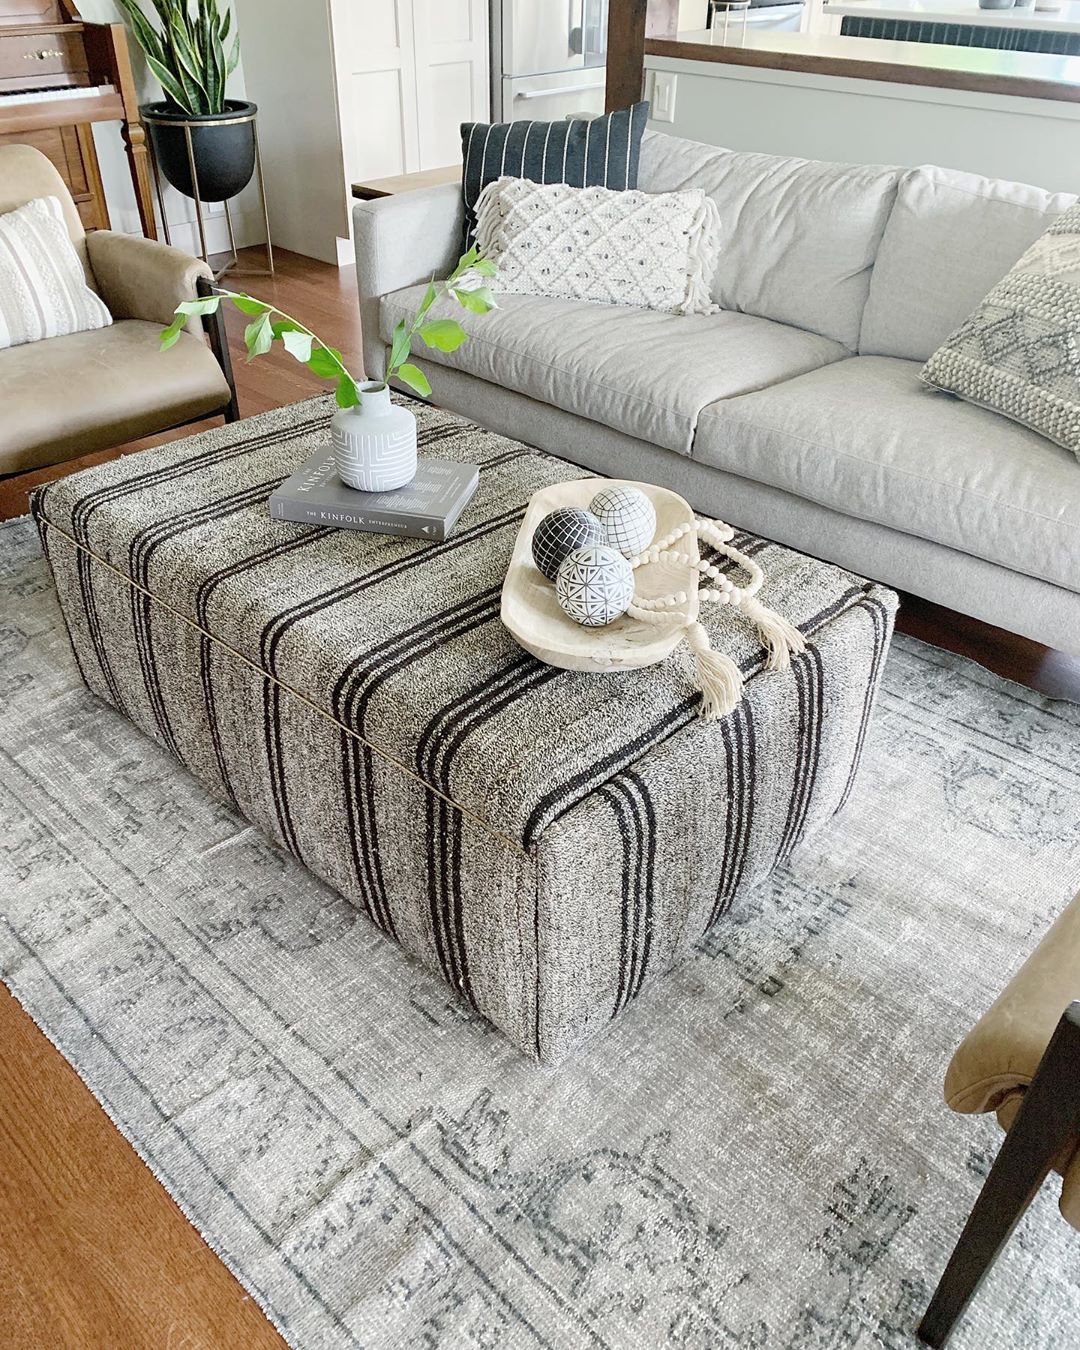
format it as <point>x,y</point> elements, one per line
<point>627,517</point>
<point>594,585</point>
<point>559,533</point>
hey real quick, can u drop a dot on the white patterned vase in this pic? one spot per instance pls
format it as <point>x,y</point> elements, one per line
<point>374,444</point>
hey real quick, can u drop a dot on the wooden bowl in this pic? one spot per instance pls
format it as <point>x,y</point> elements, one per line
<point>531,611</point>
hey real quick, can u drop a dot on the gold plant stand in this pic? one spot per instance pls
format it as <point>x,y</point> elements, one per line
<point>233,263</point>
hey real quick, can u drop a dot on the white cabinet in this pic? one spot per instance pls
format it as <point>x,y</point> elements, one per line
<point>408,73</point>
<point>357,89</point>
<point>450,38</point>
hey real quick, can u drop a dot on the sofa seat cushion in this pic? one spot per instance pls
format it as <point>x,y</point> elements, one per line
<point>88,391</point>
<point>798,236</point>
<point>866,437</point>
<point>951,237</point>
<point>641,372</point>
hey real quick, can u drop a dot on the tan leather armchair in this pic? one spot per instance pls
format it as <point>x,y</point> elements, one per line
<point>68,396</point>
<point>1022,1061</point>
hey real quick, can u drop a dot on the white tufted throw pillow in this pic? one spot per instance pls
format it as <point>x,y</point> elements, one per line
<point>657,251</point>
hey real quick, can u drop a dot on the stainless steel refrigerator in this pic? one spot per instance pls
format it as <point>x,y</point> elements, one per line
<point>547,58</point>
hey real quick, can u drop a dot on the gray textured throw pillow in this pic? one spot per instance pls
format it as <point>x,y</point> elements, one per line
<point>1019,353</point>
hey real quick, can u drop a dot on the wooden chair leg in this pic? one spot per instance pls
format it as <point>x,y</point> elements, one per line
<point>1047,1122</point>
<point>219,345</point>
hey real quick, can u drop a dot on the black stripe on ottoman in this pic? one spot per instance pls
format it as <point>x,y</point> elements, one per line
<point>584,152</point>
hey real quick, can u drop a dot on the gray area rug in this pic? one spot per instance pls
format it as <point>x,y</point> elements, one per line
<point>756,1155</point>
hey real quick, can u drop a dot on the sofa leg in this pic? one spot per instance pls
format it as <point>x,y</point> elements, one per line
<point>219,345</point>
<point>1047,1123</point>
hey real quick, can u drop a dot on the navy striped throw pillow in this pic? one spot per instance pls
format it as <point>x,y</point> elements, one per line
<point>584,152</point>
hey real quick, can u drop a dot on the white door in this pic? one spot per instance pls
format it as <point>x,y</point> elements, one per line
<point>375,65</point>
<point>452,80</point>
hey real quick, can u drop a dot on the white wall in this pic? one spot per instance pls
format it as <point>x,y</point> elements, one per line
<point>693,15</point>
<point>867,122</point>
<point>119,193</point>
<point>290,75</point>
<point>357,89</point>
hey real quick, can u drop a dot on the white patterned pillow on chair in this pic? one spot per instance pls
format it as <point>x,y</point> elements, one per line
<point>43,290</point>
<point>1019,353</point>
<point>655,250</point>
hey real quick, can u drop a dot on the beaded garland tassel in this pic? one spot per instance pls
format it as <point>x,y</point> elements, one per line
<point>718,676</point>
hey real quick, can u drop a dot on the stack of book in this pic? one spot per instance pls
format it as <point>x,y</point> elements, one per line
<point>426,508</point>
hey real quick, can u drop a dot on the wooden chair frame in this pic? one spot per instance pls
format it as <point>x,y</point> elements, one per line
<point>1046,1126</point>
<point>219,345</point>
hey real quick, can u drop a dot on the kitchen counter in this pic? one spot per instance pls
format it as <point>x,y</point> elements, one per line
<point>1067,19</point>
<point>967,12</point>
<point>1004,114</point>
<point>979,70</point>
<point>961,23</point>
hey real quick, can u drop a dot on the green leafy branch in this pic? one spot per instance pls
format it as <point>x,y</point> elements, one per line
<point>270,324</point>
<point>187,54</point>
<point>465,285</point>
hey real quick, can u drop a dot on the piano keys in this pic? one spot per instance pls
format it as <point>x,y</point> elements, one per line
<point>60,74</point>
<point>51,95</point>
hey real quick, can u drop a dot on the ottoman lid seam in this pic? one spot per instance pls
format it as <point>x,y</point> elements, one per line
<point>532,838</point>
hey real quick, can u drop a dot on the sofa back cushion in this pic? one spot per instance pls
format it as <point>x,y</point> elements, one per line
<point>951,237</point>
<point>798,236</point>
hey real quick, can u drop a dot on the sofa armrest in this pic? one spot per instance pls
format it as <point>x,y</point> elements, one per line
<point>402,240</point>
<point>142,279</point>
<point>998,1059</point>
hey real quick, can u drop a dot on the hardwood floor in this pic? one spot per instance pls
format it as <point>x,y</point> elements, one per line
<point>93,1252</point>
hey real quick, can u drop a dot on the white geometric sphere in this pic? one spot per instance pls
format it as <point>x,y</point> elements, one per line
<point>627,517</point>
<point>594,585</point>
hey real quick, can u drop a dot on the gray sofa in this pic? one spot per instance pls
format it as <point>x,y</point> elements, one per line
<point>797,411</point>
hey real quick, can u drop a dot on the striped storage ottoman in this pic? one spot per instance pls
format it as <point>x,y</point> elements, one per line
<point>548,841</point>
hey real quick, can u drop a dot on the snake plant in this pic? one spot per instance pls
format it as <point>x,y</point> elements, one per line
<point>187,54</point>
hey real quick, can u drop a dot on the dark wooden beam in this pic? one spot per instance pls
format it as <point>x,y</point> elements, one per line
<point>625,52</point>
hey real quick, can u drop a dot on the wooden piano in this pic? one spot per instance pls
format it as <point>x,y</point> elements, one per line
<point>58,75</point>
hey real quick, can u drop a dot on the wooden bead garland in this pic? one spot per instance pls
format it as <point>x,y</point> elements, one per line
<point>719,678</point>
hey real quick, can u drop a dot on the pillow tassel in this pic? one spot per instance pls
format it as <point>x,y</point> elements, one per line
<point>702,257</point>
<point>487,220</point>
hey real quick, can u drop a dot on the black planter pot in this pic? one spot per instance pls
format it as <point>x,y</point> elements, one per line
<point>222,144</point>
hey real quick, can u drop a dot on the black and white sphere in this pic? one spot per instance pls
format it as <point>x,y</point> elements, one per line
<point>559,533</point>
<point>627,518</point>
<point>595,585</point>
